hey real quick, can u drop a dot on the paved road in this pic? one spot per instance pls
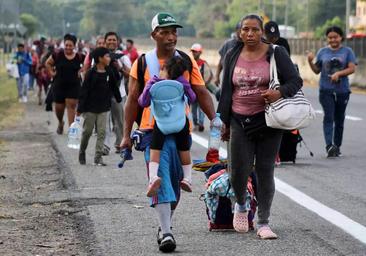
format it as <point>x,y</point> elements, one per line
<point>120,222</point>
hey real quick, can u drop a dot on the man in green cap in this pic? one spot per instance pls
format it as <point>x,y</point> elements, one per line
<point>164,33</point>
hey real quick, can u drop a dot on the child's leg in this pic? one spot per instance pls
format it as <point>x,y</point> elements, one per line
<point>183,142</point>
<point>185,158</point>
<point>156,145</point>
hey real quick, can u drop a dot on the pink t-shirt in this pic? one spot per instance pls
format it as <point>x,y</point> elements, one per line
<point>249,79</point>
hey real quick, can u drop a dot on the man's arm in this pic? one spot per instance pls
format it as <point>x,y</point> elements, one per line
<point>205,101</point>
<point>218,71</point>
<point>131,109</point>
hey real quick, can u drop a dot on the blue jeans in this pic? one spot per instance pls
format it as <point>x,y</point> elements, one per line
<point>334,107</point>
<point>201,116</point>
<point>22,83</point>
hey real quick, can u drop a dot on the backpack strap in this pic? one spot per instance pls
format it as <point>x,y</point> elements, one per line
<point>141,68</point>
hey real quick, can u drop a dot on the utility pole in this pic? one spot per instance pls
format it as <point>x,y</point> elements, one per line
<point>259,6</point>
<point>286,17</point>
<point>274,14</point>
<point>348,12</point>
<point>307,19</point>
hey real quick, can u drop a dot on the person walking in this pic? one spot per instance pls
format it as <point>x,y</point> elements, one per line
<point>131,50</point>
<point>273,36</point>
<point>335,63</point>
<point>245,92</point>
<point>164,33</point>
<point>64,66</point>
<point>206,72</point>
<point>24,61</point>
<point>121,65</point>
<point>95,101</point>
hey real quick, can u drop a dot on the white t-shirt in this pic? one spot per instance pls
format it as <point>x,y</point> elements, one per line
<point>123,61</point>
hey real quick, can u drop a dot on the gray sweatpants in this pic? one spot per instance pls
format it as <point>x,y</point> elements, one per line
<point>117,113</point>
<point>243,154</point>
<point>89,121</point>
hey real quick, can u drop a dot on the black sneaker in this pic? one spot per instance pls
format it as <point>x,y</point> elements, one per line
<point>167,243</point>
<point>339,153</point>
<point>98,161</point>
<point>159,235</point>
<point>333,151</point>
<point>82,159</point>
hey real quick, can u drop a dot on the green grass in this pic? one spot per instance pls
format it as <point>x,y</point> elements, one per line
<point>10,109</point>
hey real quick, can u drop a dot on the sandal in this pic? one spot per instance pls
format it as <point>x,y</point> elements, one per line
<point>265,232</point>
<point>186,185</point>
<point>60,128</point>
<point>240,222</point>
<point>153,187</point>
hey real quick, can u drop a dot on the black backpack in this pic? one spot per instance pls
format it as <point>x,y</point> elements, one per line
<point>141,68</point>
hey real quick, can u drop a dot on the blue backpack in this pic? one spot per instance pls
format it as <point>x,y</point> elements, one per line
<point>168,105</point>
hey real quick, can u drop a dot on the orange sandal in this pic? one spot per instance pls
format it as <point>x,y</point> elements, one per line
<point>265,232</point>
<point>240,222</point>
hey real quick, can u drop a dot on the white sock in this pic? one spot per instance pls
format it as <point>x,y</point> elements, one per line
<point>187,172</point>
<point>164,212</point>
<point>153,170</point>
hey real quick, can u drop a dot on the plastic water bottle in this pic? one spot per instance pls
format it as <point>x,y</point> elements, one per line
<point>126,154</point>
<point>214,140</point>
<point>74,134</point>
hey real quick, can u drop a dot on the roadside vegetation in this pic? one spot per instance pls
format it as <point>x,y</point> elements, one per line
<point>10,109</point>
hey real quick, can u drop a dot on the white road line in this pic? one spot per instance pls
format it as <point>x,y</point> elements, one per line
<point>353,228</point>
<point>353,118</point>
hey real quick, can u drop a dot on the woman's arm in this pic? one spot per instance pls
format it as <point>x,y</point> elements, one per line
<point>312,65</point>
<point>290,79</point>
<point>345,72</point>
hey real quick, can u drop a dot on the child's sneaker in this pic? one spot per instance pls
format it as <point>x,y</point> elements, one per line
<point>153,187</point>
<point>186,185</point>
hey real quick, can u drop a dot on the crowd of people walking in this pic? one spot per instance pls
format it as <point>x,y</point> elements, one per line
<point>111,86</point>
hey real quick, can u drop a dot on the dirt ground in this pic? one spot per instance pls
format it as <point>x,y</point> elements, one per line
<point>32,220</point>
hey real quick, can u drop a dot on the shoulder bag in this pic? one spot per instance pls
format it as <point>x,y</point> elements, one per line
<point>290,113</point>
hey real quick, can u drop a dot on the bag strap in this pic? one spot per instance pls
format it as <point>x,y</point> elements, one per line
<point>273,69</point>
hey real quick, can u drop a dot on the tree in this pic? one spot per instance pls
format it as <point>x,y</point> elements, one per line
<point>320,31</point>
<point>30,22</point>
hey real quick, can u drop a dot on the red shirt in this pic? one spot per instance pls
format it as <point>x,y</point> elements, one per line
<point>132,54</point>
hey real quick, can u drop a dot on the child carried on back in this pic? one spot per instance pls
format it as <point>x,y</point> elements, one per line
<point>172,70</point>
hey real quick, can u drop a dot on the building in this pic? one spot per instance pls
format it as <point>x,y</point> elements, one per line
<point>358,22</point>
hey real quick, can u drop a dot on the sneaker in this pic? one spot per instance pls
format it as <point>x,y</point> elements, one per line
<point>168,243</point>
<point>153,187</point>
<point>98,161</point>
<point>338,152</point>
<point>82,159</point>
<point>20,100</point>
<point>25,99</point>
<point>332,151</point>
<point>159,235</point>
<point>201,128</point>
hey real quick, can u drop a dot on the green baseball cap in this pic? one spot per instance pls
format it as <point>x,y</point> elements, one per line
<point>164,19</point>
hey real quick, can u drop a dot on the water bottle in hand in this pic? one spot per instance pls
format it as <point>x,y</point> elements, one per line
<point>214,140</point>
<point>74,134</point>
<point>126,154</point>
